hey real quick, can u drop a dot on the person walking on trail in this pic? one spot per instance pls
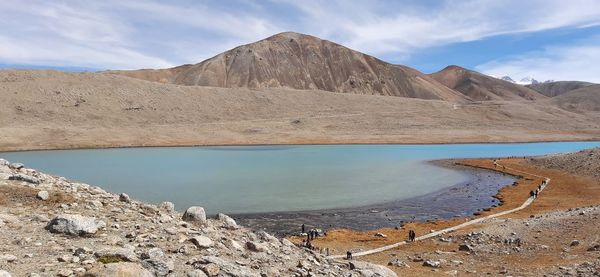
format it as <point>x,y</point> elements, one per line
<point>531,194</point>
<point>348,255</point>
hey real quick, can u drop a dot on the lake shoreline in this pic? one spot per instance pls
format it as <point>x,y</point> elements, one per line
<point>7,149</point>
<point>460,200</point>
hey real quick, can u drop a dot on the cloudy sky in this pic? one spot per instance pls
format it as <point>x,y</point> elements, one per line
<point>546,39</point>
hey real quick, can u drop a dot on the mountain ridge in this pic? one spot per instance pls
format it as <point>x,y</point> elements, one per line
<point>305,62</point>
<point>480,87</point>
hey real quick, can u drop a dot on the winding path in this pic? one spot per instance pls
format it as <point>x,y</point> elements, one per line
<point>453,228</point>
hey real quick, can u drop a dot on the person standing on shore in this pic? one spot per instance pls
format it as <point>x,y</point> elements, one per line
<point>303,228</point>
<point>348,255</point>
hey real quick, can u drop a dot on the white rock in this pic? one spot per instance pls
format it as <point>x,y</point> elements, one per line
<point>196,273</point>
<point>43,195</point>
<point>16,165</point>
<point>202,241</point>
<point>4,274</point>
<point>75,224</point>
<point>256,247</point>
<point>123,197</point>
<point>24,178</point>
<point>228,222</point>
<point>167,206</point>
<point>194,214</point>
<point>8,257</point>
<point>371,270</point>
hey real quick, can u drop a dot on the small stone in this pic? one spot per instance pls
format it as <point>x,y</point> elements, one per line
<point>123,197</point>
<point>211,269</point>
<point>43,195</point>
<point>380,235</point>
<point>594,248</point>
<point>465,247</point>
<point>574,243</point>
<point>171,230</point>
<point>64,273</point>
<point>196,273</point>
<point>256,247</point>
<point>119,269</point>
<point>167,206</point>
<point>228,222</point>
<point>434,264</point>
<point>64,259</point>
<point>8,257</point>
<point>194,214</point>
<point>202,241</point>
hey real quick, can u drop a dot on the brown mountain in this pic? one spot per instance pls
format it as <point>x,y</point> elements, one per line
<point>583,99</point>
<point>301,61</point>
<point>480,87</point>
<point>552,89</point>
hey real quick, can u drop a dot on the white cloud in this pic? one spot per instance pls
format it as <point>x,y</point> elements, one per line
<point>133,34</point>
<point>561,63</point>
<point>379,29</point>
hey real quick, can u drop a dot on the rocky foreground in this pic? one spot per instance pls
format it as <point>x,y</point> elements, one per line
<point>50,226</point>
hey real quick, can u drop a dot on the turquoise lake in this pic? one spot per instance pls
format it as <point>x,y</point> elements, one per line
<point>254,179</point>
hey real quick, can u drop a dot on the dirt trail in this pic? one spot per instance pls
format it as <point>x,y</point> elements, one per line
<point>457,227</point>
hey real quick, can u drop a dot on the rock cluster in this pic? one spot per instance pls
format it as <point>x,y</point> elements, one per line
<point>95,233</point>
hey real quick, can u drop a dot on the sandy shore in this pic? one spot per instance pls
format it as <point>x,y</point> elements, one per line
<point>568,191</point>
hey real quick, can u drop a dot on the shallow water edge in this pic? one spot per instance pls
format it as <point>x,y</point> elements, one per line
<point>460,200</point>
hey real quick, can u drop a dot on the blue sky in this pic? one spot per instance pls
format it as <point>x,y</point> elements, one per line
<point>546,39</point>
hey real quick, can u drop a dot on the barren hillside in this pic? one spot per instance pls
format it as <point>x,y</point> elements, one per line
<point>482,87</point>
<point>585,99</point>
<point>49,109</point>
<point>299,61</point>
<point>585,162</point>
<point>552,89</point>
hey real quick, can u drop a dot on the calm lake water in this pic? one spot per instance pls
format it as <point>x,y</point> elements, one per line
<point>254,179</point>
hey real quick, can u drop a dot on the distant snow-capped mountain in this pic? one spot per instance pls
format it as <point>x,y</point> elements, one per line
<point>508,79</point>
<point>528,81</point>
<point>524,81</point>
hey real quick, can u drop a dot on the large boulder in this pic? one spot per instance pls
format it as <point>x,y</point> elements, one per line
<point>24,178</point>
<point>76,225</point>
<point>194,214</point>
<point>4,273</point>
<point>371,270</point>
<point>16,165</point>
<point>119,270</point>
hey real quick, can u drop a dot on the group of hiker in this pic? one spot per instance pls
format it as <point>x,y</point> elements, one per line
<point>534,193</point>
<point>310,236</point>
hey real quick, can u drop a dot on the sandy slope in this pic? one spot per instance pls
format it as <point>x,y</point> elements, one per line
<point>48,109</point>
